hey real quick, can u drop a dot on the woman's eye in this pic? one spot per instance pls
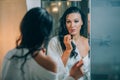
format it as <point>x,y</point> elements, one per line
<point>67,21</point>
<point>76,21</point>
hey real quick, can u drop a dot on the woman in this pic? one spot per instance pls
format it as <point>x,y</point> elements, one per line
<point>28,61</point>
<point>22,62</point>
<point>71,45</point>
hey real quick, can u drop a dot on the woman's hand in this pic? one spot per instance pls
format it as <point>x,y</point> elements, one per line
<point>67,42</point>
<point>66,53</point>
<point>76,71</point>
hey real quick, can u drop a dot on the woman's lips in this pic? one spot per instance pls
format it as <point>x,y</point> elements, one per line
<point>72,30</point>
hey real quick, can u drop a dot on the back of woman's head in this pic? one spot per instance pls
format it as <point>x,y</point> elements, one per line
<point>63,29</point>
<point>35,27</point>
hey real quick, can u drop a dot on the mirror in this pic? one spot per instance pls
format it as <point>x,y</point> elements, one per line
<point>57,7</point>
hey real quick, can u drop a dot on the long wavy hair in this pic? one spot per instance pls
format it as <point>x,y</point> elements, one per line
<point>63,30</point>
<point>35,29</point>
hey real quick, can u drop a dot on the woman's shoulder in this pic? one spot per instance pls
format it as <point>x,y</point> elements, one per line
<point>13,52</point>
<point>54,39</point>
<point>84,39</point>
<point>10,53</point>
<point>85,42</point>
<point>42,66</point>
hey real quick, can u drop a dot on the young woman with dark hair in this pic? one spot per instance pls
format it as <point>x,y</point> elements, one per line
<point>71,44</point>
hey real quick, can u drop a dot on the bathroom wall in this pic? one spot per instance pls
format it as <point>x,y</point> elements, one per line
<point>11,13</point>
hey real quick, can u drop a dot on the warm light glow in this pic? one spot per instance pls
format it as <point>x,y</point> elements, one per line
<point>55,9</point>
<point>59,3</point>
<point>53,4</point>
<point>68,3</point>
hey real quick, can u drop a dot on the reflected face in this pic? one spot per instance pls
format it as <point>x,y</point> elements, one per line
<point>74,23</point>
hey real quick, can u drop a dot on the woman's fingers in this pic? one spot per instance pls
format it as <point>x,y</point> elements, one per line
<point>67,38</point>
<point>80,63</point>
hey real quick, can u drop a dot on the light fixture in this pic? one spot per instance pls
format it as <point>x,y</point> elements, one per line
<point>59,3</point>
<point>68,3</point>
<point>55,9</point>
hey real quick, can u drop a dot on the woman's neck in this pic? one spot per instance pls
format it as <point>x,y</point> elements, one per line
<point>76,38</point>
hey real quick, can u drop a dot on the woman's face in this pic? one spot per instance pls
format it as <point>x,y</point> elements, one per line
<point>74,23</point>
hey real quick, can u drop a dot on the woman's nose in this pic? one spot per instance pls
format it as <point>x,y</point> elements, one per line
<point>72,24</point>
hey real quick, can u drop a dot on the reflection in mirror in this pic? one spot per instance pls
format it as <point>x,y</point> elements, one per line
<point>70,43</point>
<point>57,7</point>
